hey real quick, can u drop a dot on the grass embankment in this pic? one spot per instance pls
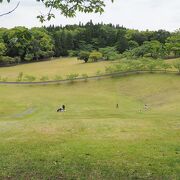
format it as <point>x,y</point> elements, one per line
<point>93,139</point>
<point>60,67</point>
<point>57,69</point>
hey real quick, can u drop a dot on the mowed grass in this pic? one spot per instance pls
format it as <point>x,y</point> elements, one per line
<point>92,139</point>
<point>61,67</point>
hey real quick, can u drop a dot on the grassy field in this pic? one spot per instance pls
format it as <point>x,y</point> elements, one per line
<point>92,139</point>
<point>57,67</point>
<point>61,67</point>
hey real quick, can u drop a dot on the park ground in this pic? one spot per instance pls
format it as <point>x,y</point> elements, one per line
<point>60,67</point>
<point>92,139</point>
<point>56,67</point>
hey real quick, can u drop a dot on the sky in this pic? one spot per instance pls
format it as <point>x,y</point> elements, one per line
<point>135,14</point>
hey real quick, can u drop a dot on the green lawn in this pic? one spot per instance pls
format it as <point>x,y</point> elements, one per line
<point>61,67</point>
<point>92,139</point>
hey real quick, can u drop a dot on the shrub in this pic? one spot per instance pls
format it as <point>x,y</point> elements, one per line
<point>73,53</point>
<point>177,65</point>
<point>20,76</point>
<point>152,65</point>
<point>4,79</point>
<point>95,56</point>
<point>29,78</point>
<point>28,57</point>
<point>84,55</point>
<point>98,73</point>
<point>58,77</point>
<point>166,66</point>
<point>72,76</point>
<point>44,78</point>
<point>84,76</point>
<point>5,60</point>
<point>109,53</point>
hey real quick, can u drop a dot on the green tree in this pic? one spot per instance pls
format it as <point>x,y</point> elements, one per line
<point>84,55</point>
<point>95,56</point>
<point>109,53</point>
<point>122,42</point>
<point>41,44</point>
<point>173,44</point>
<point>3,49</point>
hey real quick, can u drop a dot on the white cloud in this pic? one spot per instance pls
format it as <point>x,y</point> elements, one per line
<point>137,14</point>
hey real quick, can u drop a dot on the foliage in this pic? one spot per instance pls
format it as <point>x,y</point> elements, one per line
<point>173,44</point>
<point>79,40</point>
<point>98,73</point>
<point>139,64</point>
<point>84,55</point>
<point>177,65</point>
<point>69,8</point>
<point>6,60</point>
<point>4,79</point>
<point>73,53</point>
<point>44,78</point>
<point>85,76</point>
<point>29,78</point>
<point>166,66</point>
<point>58,77</point>
<point>3,48</point>
<point>72,76</point>
<point>109,53</point>
<point>20,76</point>
<point>95,56</point>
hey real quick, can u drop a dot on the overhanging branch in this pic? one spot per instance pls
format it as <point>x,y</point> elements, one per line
<point>11,10</point>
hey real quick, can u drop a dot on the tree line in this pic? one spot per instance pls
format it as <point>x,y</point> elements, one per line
<point>88,42</point>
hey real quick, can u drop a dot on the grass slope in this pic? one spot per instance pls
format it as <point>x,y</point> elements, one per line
<point>93,139</point>
<point>61,67</point>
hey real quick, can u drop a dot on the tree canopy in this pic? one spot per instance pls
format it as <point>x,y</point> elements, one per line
<point>21,44</point>
<point>69,8</point>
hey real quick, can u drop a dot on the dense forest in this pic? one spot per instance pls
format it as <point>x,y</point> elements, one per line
<point>89,41</point>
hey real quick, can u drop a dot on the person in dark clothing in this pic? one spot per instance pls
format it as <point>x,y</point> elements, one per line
<point>62,109</point>
<point>63,106</point>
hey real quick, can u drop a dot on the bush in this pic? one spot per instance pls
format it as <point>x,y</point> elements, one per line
<point>72,76</point>
<point>20,76</point>
<point>4,79</point>
<point>84,55</point>
<point>28,57</point>
<point>58,77</point>
<point>177,65</point>
<point>85,76</point>
<point>95,56</point>
<point>29,78</point>
<point>109,53</point>
<point>73,53</point>
<point>44,78</point>
<point>17,59</point>
<point>98,73</point>
<point>5,60</point>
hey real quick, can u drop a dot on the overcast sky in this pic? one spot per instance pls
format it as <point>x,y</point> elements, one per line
<point>136,14</point>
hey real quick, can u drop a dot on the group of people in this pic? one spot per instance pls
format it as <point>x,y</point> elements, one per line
<point>62,109</point>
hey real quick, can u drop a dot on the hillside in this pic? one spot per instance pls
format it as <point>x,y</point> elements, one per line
<point>58,67</point>
<point>92,139</point>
